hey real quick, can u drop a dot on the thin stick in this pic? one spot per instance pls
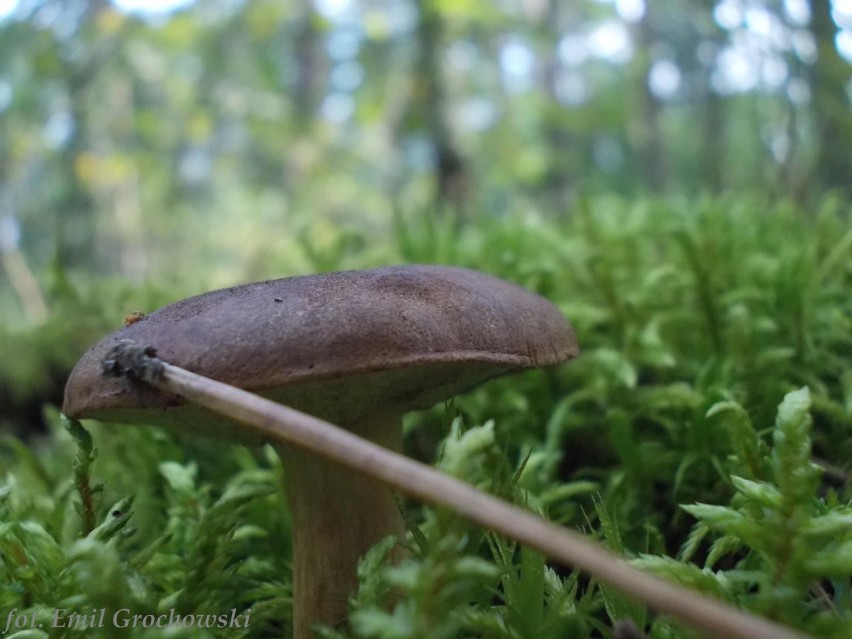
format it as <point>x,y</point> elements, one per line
<point>272,421</point>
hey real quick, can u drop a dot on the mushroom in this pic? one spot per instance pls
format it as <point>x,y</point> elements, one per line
<point>356,348</point>
<point>262,419</point>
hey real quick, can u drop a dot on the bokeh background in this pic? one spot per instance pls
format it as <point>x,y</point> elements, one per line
<point>151,150</point>
<point>674,175</point>
<point>203,143</point>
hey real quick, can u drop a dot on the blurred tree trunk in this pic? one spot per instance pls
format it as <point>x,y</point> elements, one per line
<point>310,66</point>
<point>124,231</point>
<point>562,144</point>
<point>712,148</point>
<point>450,169</point>
<point>828,79</point>
<point>712,108</point>
<point>75,207</point>
<point>644,118</point>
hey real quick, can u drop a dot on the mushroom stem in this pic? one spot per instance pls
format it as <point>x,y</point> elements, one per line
<point>279,424</point>
<point>338,514</point>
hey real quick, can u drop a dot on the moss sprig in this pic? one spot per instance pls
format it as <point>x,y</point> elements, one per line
<point>779,546</point>
<point>86,455</point>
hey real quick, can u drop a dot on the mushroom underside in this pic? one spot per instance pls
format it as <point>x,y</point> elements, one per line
<point>342,400</point>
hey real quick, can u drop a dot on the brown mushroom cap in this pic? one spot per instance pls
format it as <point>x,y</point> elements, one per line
<point>335,345</point>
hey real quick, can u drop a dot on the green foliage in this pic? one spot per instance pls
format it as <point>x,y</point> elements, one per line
<point>216,163</point>
<point>696,319</point>
<point>197,565</point>
<point>86,454</point>
<point>458,581</point>
<point>790,547</point>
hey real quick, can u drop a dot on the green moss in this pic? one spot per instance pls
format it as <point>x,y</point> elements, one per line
<point>714,386</point>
